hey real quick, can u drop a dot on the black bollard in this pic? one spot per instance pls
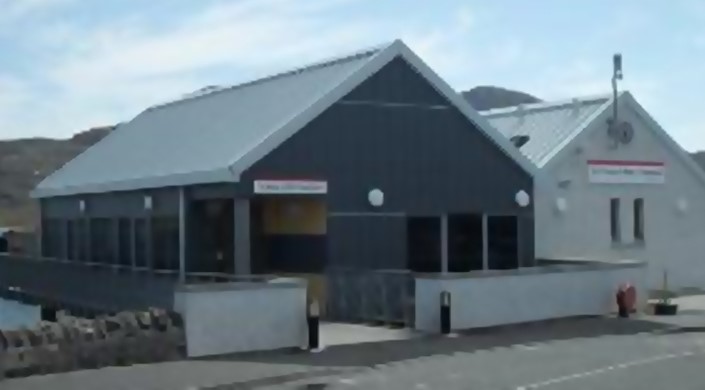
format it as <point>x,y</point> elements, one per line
<point>622,309</point>
<point>445,312</point>
<point>313,319</point>
<point>48,313</point>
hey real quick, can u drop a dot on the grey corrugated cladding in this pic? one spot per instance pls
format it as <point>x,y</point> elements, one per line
<point>397,133</point>
<point>548,125</point>
<point>215,136</point>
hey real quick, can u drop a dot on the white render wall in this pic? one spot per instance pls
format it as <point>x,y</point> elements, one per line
<point>238,317</point>
<point>524,295</point>
<point>674,241</point>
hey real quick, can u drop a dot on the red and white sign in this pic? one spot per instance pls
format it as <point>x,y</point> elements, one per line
<point>291,187</point>
<point>626,172</point>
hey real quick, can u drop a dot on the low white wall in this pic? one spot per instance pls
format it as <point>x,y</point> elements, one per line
<point>530,294</point>
<point>244,316</point>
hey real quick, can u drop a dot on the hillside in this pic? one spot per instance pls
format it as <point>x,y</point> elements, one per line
<point>487,97</point>
<point>25,162</point>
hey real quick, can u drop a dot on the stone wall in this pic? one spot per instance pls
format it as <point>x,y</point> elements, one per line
<point>74,343</point>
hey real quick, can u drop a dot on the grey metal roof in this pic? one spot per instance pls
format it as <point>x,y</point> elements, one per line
<point>199,134</point>
<point>214,135</point>
<point>548,125</point>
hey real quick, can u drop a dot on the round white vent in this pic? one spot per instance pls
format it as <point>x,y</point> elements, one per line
<point>682,205</point>
<point>376,197</point>
<point>561,205</point>
<point>522,198</point>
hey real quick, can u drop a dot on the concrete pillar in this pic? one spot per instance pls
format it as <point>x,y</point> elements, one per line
<point>444,244</point>
<point>242,237</point>
<point>89,239</point>
<point>149,258</point>
<point>485,243</point>
<point>182,235</point>
<point>521,260</point>
<point>67,243</point>
<point>133,244</point>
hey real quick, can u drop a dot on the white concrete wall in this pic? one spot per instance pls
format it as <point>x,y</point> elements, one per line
<point>239,317</point>
<point>674,241</point>
<point>515,296</point>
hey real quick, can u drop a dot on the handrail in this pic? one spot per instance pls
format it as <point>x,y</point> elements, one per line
<point>157,272</point>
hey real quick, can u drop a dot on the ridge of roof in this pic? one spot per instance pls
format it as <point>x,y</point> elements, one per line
<point>581,128</point>
<point>549,105</point>
<point>215,89</point>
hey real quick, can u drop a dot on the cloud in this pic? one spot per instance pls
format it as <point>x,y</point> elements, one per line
<point>115,70</point>
<point>15,10</point>
<point>109,72</point>
<point>85,71</point>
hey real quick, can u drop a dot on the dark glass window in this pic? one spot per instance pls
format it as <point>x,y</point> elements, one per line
<point>639,219</point>
<point>615,225</point>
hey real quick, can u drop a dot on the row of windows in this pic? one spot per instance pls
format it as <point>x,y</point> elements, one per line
<point>615,219</point>
<point>121,241</point>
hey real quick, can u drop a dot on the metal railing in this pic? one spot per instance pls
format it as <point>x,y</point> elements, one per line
<point>96,286</point>
<point>384,296</point>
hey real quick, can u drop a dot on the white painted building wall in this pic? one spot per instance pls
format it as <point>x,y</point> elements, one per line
<point>481,299</point>
<point>674,241</point>
<point>238,317</point>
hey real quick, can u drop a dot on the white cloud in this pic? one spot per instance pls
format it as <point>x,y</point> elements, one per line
<point>14,10</point>
<point>86,77</point>
<point>115,70</point>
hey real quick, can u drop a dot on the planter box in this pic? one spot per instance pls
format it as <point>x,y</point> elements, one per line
<point>665,309</point>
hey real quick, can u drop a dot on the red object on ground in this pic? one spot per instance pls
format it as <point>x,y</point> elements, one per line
<point>629,296</point>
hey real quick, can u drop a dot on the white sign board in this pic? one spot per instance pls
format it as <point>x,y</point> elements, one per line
<point>291,187</point>
<point>626,172</point>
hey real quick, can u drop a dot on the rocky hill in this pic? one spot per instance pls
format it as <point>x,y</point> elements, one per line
<point>487,97</point>
<point>25,162</point>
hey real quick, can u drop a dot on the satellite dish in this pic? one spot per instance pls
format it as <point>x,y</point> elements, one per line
<point>519,140</point>
<point>613,130</point>
<point>625,132</point>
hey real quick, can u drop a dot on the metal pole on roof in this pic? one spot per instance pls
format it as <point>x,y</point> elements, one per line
<point>616,75</point>
<point>182,235</point>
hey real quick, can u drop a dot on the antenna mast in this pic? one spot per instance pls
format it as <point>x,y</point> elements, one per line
<point>616,75</point>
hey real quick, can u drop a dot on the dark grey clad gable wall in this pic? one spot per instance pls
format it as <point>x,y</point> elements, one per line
<point>428,161</point>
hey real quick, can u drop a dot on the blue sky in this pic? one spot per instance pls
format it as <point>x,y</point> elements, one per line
<point>67,65</point>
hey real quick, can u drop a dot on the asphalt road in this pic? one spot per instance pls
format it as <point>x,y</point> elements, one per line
<point>625,362</point>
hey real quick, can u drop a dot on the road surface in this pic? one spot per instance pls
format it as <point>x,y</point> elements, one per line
<point>674,361</point>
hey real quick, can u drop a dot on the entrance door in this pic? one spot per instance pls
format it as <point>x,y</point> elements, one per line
<point>213,222</point>
<point>423,244</point>
<point>464,242</point>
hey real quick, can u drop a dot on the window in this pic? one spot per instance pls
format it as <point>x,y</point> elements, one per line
<point>639,219</point>
<point>81,239</point>
<point>502,242</point>
<point>140,237</point>
<point>124,242</point>
<point>102,236</point>
<point>70,240</point>
<point>52,236</point>
<point>614,220</point>
<point>165,242</point>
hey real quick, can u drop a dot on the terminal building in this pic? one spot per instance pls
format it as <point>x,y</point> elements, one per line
<point>369,161</point>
